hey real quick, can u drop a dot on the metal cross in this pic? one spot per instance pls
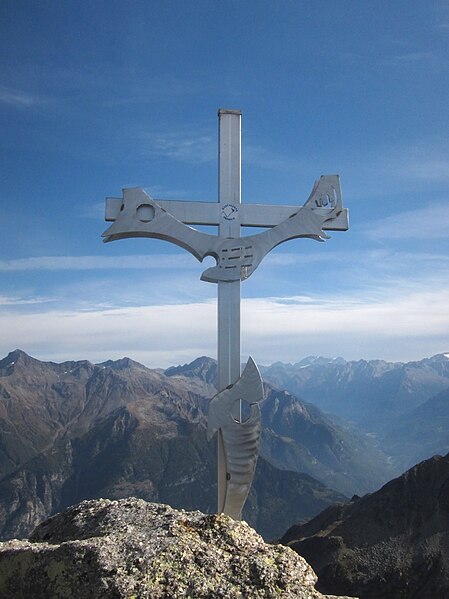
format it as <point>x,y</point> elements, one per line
<point>136,214</point>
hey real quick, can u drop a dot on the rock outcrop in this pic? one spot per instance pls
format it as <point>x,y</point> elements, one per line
<point>134,549</point>
<point>392,544</point>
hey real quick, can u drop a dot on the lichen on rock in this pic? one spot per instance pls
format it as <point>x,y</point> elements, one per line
<point>134,549</point>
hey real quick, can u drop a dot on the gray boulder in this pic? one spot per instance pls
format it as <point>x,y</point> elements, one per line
<point>133,549</point>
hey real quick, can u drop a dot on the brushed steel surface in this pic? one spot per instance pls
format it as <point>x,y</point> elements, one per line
<point>237,257</point>
<point>228,294</point>
<point>240,438</point>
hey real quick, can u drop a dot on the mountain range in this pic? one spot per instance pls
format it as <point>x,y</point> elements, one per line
<point>77,430</point>
<point>403,407</point>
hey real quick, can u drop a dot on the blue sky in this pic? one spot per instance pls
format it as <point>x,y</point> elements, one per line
<point>97,96</point>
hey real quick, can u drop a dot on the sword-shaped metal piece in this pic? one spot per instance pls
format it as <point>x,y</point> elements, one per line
<point>240,435</point>
<point>136,214</point>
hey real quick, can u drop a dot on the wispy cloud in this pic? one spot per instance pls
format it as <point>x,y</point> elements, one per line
<point>267,159</point>
<point>429,222</point>
<point>175,261</point>
<point>95,211</point>
<point>184,146</point>
<point>20,98</point>
<point>411,58</point>
<point>426,161</point>
<point>162,192</point>
<point>187,146</point>
<point>406,57</point>
<point>139,89</point>
<point>401,165</point>
<point>411,166</point>
<point>23,301</point>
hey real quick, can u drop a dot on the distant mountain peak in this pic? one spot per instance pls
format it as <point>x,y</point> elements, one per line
<point>440,357</point>
<point>122,364</point>
<point>19,357</point>
<point>204,368</point>
<point>199,362</point>
<point>17,354</point>
<point>319,361</point>
<point>16,357</point>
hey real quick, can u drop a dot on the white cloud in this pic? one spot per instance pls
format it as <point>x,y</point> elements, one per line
<point>398,327</point>
<point>158,331</point>
<point>395,325</point>
<point>429,222</point>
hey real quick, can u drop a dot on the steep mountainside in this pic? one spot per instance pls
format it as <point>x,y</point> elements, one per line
<point>42,402</point>
<point>298,436</point>
<point>392,544</point>
<point>421,433</point>
<point>74,431</point>
<point>370,394</point>
<point>122,457</point>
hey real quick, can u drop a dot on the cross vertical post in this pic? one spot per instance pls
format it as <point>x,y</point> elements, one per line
<point>229,198</point>
<point>137,214</point>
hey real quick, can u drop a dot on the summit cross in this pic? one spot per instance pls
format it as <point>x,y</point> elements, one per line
<point>234,413</point>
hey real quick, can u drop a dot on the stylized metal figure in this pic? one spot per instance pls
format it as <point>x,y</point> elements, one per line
<point>240,434</point>
<point>237,258</point>
<point>136,214</point>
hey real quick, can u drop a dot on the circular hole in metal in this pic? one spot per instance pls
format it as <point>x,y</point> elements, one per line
<point>145,213</point>
<point>241,411</point>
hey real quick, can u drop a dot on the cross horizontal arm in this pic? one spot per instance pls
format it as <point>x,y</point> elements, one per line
<point>189,213</point>
<point>251,215</point>
<point>265,215</point>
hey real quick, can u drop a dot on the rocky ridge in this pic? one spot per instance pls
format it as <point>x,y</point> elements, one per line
<point>130,548</point>
<point>391,544</point>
